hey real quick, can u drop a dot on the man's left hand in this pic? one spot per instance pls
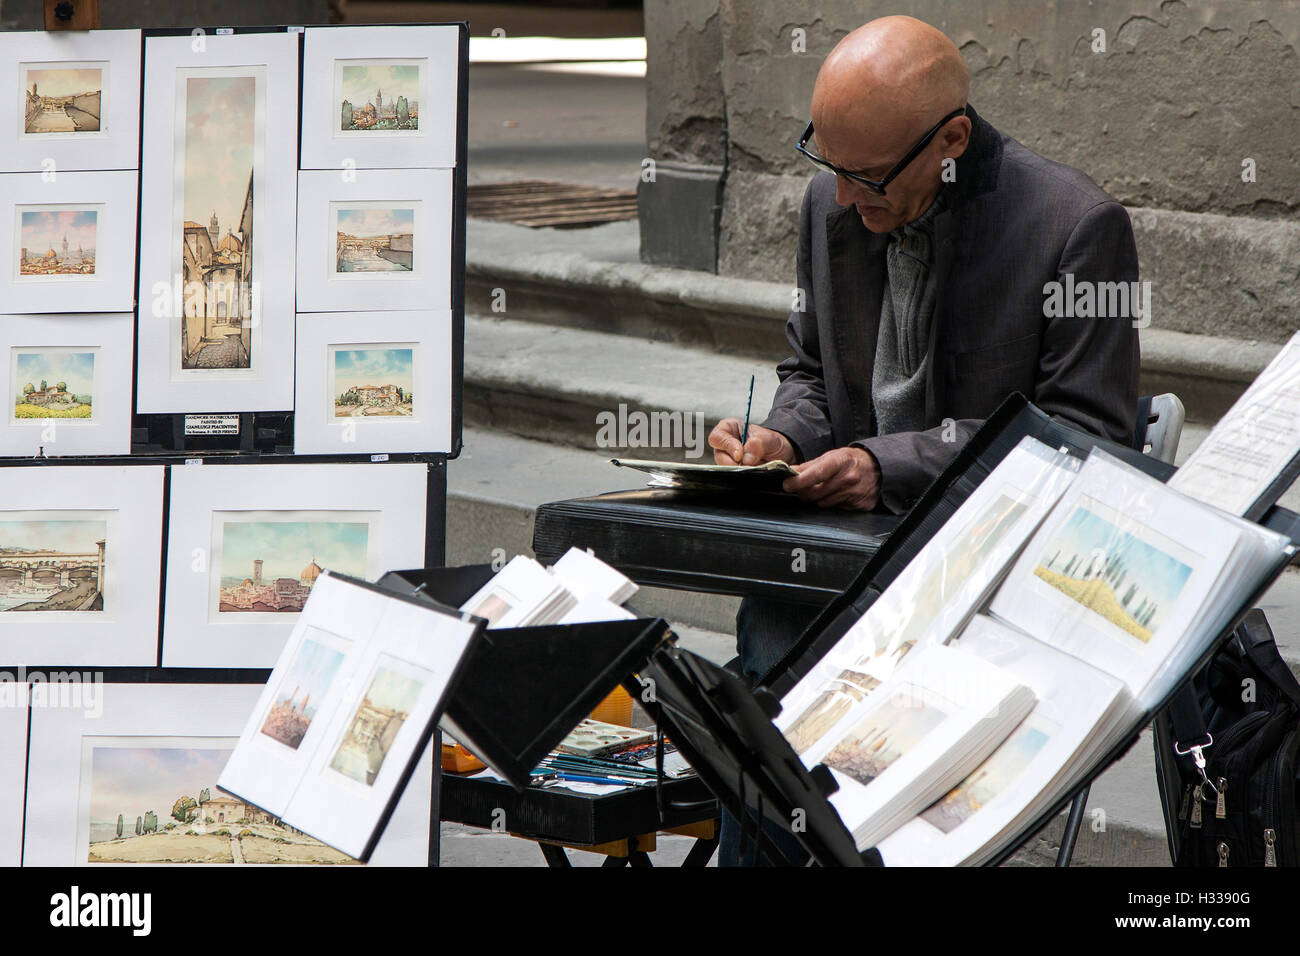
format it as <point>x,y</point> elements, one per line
<point>847,478</point>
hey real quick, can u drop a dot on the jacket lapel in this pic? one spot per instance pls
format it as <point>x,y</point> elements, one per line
<point>857,271</point>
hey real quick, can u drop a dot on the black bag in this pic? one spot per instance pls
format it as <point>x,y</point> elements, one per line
<point>1242,811</point>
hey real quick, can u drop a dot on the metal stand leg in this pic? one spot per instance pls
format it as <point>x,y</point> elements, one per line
<point>701,853</point>
<point>1072,825</point>
<point>554,855</point>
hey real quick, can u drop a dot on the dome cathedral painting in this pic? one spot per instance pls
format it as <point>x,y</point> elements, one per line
<point>271,566</point>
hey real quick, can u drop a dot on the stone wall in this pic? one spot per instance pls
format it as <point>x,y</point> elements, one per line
<point>1163,118</point>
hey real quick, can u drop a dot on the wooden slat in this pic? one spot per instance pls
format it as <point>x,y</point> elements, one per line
<point>540,203</point>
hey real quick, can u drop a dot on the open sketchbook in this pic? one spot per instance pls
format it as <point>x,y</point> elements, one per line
<point>936,593</point>
<point>1133,577</point>
<point>1077,713</point>
<point>923,730</point>
<point>1098,600</point>
<point>671,474</point>
<point>347,710</point>
<point>1110,604</point>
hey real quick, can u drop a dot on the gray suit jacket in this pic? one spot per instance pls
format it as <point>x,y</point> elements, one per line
<point>1014,222</point>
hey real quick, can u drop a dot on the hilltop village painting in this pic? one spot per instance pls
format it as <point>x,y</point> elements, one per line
<point>216,193</point>
<point>372,382</point>
<point>270,566</point>
<point>62,99</point>
<point>53,383</point>
<point>379,96</point>
<point>52,565</point>
<point>160,804</point>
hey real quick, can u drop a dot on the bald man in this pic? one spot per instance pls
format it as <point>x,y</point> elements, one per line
<point>927,248</point>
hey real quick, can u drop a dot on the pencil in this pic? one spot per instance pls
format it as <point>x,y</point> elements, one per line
<point>744,435</point>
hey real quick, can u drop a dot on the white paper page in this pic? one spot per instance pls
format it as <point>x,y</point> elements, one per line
<point>888,749</point>
<point>592,610</point>
<point>587,576</point>
<point>1118,571</point>
<point>515,595</point>
<point>1071,699</point>
<point>399,686</point>
<point>934,595</point>
<point>1251,444</point>
<point>302,695</point>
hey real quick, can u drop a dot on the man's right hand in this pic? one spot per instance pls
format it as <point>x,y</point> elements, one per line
<point>762,445</point>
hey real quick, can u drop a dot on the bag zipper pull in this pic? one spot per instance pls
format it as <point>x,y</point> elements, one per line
<point>1220,805</point>
<point>1196,807</point>
<point>1270,849</point>
<point>1223,854</point>
<point>1187,802</point>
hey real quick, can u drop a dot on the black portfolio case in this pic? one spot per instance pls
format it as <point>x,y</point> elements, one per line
<point>725,730</point>
<point>761,545</point>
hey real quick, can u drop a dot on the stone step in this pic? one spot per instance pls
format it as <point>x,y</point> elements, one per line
<point>592,279</point>
<point>601,391</point>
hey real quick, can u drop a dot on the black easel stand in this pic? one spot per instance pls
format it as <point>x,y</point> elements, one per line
<point>725,730</point>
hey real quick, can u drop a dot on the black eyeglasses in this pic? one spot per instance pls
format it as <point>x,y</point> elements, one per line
<point>876,186</point>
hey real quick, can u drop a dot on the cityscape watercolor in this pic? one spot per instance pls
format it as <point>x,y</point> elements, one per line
<point>62,99</point>
<point>388,703</point>
<point>215,189</point>
<point>372,381</point>
<point>301,690</point>
<point>52,565</point>
<point>379,96</point>
<point>57,241</point>
<point>160,804</point>
<point>374,239</point>
<point>269,566</point>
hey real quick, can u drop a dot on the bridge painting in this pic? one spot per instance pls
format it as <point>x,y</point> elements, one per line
<point>370,238</point>
<point>55,565</point>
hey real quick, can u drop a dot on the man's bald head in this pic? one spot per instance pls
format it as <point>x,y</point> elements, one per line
<point>881,89</point>
<point>896,75</point>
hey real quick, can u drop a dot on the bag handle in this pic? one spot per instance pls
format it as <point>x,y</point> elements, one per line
<point>1256,637</point>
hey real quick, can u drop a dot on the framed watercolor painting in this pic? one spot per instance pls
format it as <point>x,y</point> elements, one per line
<point>378,240</point>
<point>371,382</point>
<point>80,565</point>
<point>67,243</point>
<point>136,783</point>
<point>217,247</point>
<point>69,101</point>
<point>246,543</point>
<point>382,97</point>
<point>68,384</point>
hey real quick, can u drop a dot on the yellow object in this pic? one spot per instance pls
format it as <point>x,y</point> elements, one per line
<point>615,709</point>
<point>456,759</point>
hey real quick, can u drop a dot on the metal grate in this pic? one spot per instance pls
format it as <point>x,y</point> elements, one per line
<point>535,202</point>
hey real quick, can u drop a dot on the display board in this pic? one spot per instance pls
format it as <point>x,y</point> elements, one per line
<point>283,209</point>
<point>233,357</point>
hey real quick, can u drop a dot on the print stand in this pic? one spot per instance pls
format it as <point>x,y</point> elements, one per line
<point>144,411</point>
<point>725,730</point>
<point>224,428</point>
<point>523,689</point>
